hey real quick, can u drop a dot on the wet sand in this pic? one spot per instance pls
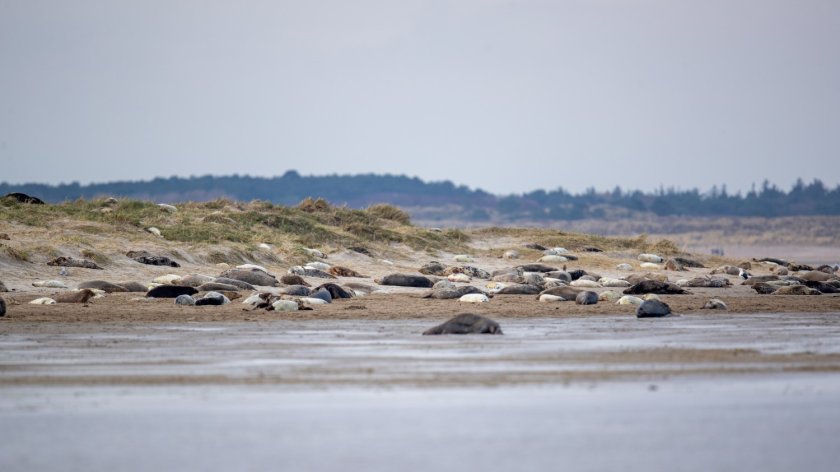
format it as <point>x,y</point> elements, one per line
<point>693,392</point>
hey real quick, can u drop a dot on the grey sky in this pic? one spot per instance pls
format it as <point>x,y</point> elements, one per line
<point>508,96</point>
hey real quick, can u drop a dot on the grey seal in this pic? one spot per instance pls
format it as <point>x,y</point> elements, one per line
<point>106,287</point>
<point>586,298</point>
<point>405,280</point>
<point>466,323</point>
<point>653,309</point>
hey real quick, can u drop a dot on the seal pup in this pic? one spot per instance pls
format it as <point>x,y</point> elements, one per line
<point>653,309</point>
<point>310,272</point>
<point>466,323</point>
<point>49,284</point>
<point>715,304</point>
<point>185,300</point>
<point>652,258</point>
<point>170,291</point>
<point>42,301</point>
<point>405,280</point>
<point>474,298</point>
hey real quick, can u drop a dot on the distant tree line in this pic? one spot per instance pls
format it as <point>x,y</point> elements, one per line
<point>359,191</point>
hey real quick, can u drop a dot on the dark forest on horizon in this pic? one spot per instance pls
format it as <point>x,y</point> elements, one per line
<point>360,191</point>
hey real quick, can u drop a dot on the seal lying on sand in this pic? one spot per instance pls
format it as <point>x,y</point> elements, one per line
<point>452,293</point>
<point>653,309</point>
<point>293,279</point>
<point>70,262</point>
<point>251,276</point>
<point>144,257</point>
<point>340,271</point>
<point>466,323</point>
<point>405,280</point>
<point>655,286</point>
<point>586,298</point>
<point>132,286</point>
<point>536,268</point>
<point>335,290</point>
<point>568,293</point>
<point>2,307</point>
<point>520,289</point>
<point>170,291</point>
<point>106,287</point>
<point>80,296</point>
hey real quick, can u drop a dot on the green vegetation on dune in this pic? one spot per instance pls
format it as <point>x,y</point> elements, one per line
<point>311,223</point>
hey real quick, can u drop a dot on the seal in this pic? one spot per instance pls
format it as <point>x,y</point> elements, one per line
<point>405,280</point>
<point>293,279</point>
<point>76,296</point>
<point>653,309</point>
<point>49,284</point>
<point>614,283</point>
<point>715,304</point>
<point>2,307</point>
<point>520,289</point>
<point>764,288</point>
<point>212,298</point>
<point>310,272</point>
<point>296,290</point>
<point>650,258</point>
<point>340,271</point>
<point>185,300</point>
<point>824,287</point>
<point>236,283</point>
<point>452,293</point>
<point>796,290</point>
<point>584,283</point>
<point>70,262</point>
<point>132,286</point>
<point>170,291</point>
<point>317,265</point>
<point>24,198</point>
<point>42,301</point>
<point>251,276</point>
<point>568,293</point>
<point>536,268</point>
<point>474,298</point>
<point>586,298</point>
<point>336,291</point>
<point>216,287</point>
<point>655,286</point>
<point>466,323</point>
<point>106,287</point>
<point>432,268</point>
<point>194,280</point>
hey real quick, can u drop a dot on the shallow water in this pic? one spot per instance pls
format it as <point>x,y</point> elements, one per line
<point>719,392</point>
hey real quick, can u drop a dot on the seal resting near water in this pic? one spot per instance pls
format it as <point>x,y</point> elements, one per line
<point>466,323</point>
<point>2,307</point>
<point>586,298</point>
<point>653,309</point>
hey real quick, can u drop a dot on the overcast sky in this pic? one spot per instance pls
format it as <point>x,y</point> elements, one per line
<point>508,96</point>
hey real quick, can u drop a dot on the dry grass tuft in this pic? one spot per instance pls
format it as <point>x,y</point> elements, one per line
<point>389,212</point>
<point>18,255</point>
